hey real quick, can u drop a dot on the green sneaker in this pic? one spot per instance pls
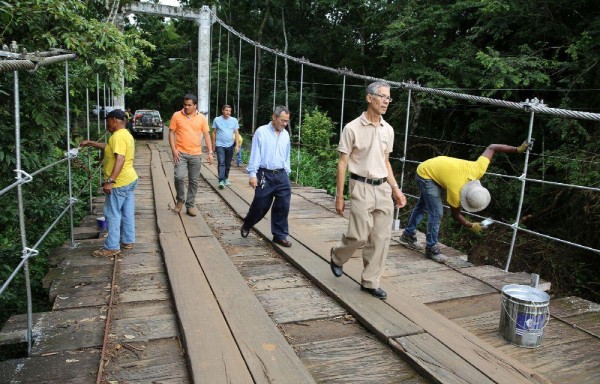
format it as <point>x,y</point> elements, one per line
<point>221,184</point>
<point>227,182</point>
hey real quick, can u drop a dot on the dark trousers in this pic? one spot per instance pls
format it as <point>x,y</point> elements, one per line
<point>277,187</point>
<point>224,154</point>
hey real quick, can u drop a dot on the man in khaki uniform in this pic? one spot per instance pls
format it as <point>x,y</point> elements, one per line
<point>364,148</point>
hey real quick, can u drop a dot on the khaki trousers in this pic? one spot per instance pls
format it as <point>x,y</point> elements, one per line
<point>370,226</point>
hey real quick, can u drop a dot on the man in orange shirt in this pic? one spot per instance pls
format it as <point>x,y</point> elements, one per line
<point>185,137</point>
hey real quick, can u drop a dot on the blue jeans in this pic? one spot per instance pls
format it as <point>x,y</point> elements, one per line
<point>238,159</point>
<point>189,165</point>
<point>225,154</point>
<point>119,211</point>
<point>430,201</point>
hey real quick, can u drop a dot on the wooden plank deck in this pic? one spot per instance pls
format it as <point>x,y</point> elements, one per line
<point>248,311</point>
<point>412,281</point>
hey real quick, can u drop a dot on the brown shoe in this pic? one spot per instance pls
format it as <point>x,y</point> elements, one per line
<point>127,246</point>
<point>192,211</point>
<point>102,252</point>
<point>178,206</point>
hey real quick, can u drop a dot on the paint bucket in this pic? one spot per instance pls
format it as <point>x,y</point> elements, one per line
<point>396,222</point>
<point>101,223</point>
<point>524,315</point>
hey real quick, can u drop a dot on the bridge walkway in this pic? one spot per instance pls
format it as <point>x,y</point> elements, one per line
<point>245,310</point>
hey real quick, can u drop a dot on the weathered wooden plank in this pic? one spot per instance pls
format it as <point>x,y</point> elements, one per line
<point>565,353</point>
<point>439,285</point>
<point>144,329</point>
<point>266,352</point>
<point>498,278</point>
<point>436,361</point>
<point>213,354</point>
<point>264,277</point>
<point>380,318</point>
<point>467,306</point>
<point>93,298</point>
<point>157,361</point>
<point>77,286</point>
<point>571,306</point>
<point>401,262</point>
<point>68,367</point>
<point>167,220</point>
<point>89,232</point>
<point>345,360</point>
<point>298,304</point>
<point>497,366</point>
<point>79,272</point>
<point>144,287</point>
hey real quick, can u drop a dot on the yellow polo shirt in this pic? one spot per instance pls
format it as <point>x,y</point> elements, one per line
<point>120,143</point>
<point>452,173</point>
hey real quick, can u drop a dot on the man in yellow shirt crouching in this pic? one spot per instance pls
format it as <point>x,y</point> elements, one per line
<point>460,179</point>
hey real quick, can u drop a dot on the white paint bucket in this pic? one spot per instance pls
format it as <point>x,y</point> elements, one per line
<point>396,222</point>
<point>524,315</point>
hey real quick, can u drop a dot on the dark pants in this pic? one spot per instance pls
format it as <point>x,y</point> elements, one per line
<point>225,154</point>
<point>276,186</point>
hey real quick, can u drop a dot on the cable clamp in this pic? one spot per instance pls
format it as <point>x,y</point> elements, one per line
<point>29,253</point>
<point>23,176</point>
<point>73,200</point>
<point>528,103</point>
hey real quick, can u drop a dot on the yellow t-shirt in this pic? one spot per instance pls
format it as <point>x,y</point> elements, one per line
<point>121,143</point>
<point>241,139</point>
<point>452,173</point>
<point>188,132</point>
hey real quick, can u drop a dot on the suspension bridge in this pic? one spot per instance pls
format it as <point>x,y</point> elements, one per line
<point>194,302</point>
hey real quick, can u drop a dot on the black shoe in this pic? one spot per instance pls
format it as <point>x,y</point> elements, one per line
<point>377,292</point>
<point>283,242</point>
<point>244,232</point>
<point>336,269</point>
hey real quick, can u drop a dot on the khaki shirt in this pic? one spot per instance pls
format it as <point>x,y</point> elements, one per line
<point>366,146</point>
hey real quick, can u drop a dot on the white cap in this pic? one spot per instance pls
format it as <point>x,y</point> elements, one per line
<point>474,197</point>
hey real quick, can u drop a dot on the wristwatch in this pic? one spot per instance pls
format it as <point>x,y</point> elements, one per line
<point>109,181</point>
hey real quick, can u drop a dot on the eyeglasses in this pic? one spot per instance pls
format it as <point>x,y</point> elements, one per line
<point>383,97</point>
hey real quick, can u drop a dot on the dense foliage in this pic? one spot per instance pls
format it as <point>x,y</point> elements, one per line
<point>85,28</point>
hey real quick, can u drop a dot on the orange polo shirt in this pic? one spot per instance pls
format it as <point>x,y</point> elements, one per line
<point>188,131</point>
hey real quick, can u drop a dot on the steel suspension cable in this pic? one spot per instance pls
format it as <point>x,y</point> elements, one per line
<point>416,87</point>
<point>239,80</point>
<point>227,72</point>
<point>218,74</point>
<point>275,83</point>
<point>342,109</point>
<point>299,123</point>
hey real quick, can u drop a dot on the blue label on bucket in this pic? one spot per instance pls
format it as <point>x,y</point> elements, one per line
<point>530,324</point>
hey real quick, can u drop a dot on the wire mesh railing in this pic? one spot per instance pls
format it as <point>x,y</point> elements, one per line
<point>13,61</point>
<point>531,107</point>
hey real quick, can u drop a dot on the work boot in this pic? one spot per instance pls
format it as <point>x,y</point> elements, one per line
<point>410,241</point>
<point>435,254</point>
<point>178,206</point>
<point>192,211</point>
<point>103,252</point>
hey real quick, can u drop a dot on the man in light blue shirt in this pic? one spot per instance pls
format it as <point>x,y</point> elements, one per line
<point>269,167</point>
<point>225,139</point>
